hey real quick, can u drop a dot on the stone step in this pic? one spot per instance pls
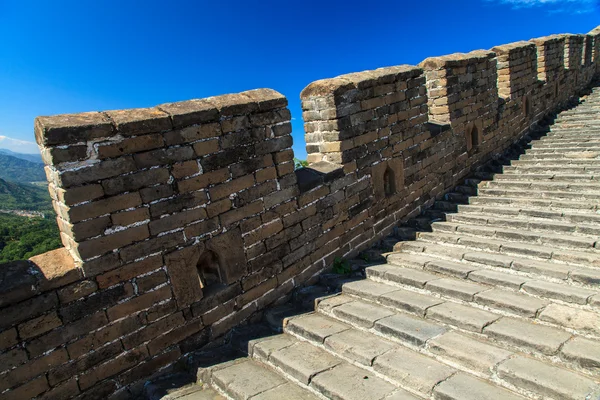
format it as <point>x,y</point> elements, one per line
<point>574,195</point>
<point>496,291</point>
<point>462,243</point>
<point>419,372</point>
<point>518,233</point>
<point>548,176</point>
<point>558,157</point>
<point>586,188</point>
<point>564,162</point>
<point>513,220</point>
<point>245,378</point>
<point>418,321</point>
<point>562,149</point>
<point>563,220</point>
<point>547,380</point>
<point>533,202</point>
<point>558,143</point>
<point>520,269</point>
<point>330,358</point>
<point>574,171</point>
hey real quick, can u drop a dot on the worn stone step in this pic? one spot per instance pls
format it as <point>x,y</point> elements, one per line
<point>417,332</point>
<point>558,157</point>
<point>575,163</point>
<point>554,177</point>
<point>246,378</point>
<point>481,262</point>
<point>579,257</point>
<point>547,380</point>
<point>587,187</point>
<point>579,218</point>
<point>561,149</point>
<point>536,237</point>
<point>589,197</point>
<point>416,372</point>
<point>518,302</point>
<point>465,387</point>
<point>525,222</point>
<point>315,369</point>
<point>532,202</point>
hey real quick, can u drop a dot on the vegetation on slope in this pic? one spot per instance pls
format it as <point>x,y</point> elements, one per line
<point>19,196</point>
<point>18,170</point>
<point>36,158</point>
<point>22,237</point>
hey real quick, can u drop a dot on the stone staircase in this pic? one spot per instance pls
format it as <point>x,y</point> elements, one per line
<point>500,300</point>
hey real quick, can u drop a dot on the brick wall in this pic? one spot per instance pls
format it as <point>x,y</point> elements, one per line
<point>181,221</point>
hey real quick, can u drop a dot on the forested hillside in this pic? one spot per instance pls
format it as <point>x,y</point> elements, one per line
<point>18,170</point>
<point>22,237</point>
<point>19,196</point>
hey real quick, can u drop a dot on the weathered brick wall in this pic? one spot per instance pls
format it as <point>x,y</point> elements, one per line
<point>184,220</point>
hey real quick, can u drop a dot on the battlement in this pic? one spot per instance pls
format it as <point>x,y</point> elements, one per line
<point>184,220</point>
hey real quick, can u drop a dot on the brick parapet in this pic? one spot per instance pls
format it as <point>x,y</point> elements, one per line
<point>147,198</point>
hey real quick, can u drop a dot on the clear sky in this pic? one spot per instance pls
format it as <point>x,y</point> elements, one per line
<point>65,56</point>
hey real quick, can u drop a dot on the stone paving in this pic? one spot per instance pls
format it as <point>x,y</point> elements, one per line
<point>500,301</point>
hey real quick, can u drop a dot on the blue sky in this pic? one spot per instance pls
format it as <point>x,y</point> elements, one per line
<point>65,56</point>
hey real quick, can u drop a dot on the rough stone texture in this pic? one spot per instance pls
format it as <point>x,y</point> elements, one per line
<point>465,387</point>
<point>349,382</point>
<point>547,380</point>
<point>462,316</point>
<point>358,346</point>
<point>412,370</point>
<point>246,379</point>
<point>407,328</point>
<point>303,361</point>
<point>315,326</point>
<point>545,339</point>
<point>475,354</point>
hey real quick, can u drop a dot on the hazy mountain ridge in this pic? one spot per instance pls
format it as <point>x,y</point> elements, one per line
<point>16,169</point>
<point>20,196</point>
<point>36,158</point>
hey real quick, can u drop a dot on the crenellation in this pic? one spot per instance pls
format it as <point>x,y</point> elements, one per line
<point>184,220</point>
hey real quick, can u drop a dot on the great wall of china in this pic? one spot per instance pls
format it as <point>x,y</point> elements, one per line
<point>183,221</point>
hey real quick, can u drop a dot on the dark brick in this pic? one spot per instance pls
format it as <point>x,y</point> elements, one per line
<point>74,368</point>
<point>102,336</point>
<point>149,367</point>
<point>72,128</point>
<point>96,302</point>
<point>151,281</point>
<point>112,367</point>
<point>153,330</point>
<point>95,172</point>
<point>225,158</point>
<point>182,201</point>
<point>138,303</point>
<point>169,155</point>
<point>33,368</point>
<point>174,336</point>
<point>151,246</point>
<point>10,316</point>
<point>132,182</point>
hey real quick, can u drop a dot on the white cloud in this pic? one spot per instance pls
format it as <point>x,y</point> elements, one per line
<point>554,6</point>
<point>19,146</point>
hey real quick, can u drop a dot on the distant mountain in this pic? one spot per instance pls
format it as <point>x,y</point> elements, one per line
<point>18,170</point>
<point>36,158</point>
<point>20,196</point>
